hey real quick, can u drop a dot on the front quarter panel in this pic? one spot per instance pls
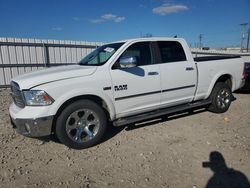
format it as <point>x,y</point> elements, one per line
<point>62,91</point>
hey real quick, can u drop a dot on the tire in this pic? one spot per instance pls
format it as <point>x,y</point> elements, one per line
<point>221,98</point>
<point>81,124</point>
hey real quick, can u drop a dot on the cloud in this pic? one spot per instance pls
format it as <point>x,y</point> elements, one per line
<point>108,17</point>
<point>142,6</point>
<point>56,29</point>
<point>167,8</point>
<point>119,19</point>
<point>96,20</point>
<point>76,18</point>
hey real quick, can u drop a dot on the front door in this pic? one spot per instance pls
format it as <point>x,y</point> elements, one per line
<point>136,89</point>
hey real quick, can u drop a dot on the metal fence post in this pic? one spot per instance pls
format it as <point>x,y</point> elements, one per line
<point>46,55</point>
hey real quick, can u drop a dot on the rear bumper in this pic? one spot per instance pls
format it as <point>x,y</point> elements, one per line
<point>33,127</point>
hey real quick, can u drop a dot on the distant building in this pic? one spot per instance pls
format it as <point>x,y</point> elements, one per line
<point>233,49</point>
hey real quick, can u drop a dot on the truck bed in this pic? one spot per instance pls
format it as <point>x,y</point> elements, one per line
<point>217,57</point>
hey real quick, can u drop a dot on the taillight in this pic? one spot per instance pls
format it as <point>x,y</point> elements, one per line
<point>244,74</point>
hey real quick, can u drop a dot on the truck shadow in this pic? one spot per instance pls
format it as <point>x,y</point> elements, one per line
<point>50,138</point>
<point>243,91</point>
<point>224,176</point>
<point>165,118</point>
<point>113,131</point>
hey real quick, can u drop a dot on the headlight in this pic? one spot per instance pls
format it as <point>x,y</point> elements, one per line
<point>37,98</point>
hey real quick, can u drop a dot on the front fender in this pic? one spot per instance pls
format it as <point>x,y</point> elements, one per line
<point>82,92</point>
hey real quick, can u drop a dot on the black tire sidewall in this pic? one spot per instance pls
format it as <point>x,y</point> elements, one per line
<point>216,90</point>
<point>62,118</point>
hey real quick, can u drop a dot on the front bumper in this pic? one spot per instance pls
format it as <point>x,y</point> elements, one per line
<point>33,127</point>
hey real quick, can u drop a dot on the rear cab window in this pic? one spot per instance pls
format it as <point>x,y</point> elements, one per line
<point>171,51</point>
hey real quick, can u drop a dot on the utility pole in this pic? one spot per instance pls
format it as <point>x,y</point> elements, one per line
<point>248,35</point>
<point>243,25</point>
<point>200,39</point>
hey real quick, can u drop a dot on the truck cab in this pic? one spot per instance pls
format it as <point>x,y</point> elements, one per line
<point>166,72</point>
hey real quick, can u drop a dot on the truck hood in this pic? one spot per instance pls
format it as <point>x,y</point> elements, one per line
<point>47,75</point>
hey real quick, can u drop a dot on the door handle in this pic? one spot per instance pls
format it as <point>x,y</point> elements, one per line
<point>152,73</point>
<point>189,68</point>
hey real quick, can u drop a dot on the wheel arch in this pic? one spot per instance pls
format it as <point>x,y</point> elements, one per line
<point>225,78</point>
<point>98,100</point>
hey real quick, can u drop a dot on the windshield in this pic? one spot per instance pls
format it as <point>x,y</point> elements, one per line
<point>101,55</point>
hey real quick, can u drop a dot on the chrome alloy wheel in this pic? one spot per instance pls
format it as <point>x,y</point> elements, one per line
<point>82,125</point>
<point>223,98</point>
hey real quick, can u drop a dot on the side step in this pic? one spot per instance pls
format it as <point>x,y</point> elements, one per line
<point>160,112</point>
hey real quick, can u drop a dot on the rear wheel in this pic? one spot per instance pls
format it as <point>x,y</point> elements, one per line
<point>82,124</point>
<point>221,98</point>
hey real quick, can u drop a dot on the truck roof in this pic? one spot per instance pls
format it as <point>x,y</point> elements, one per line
<point>151,39</point>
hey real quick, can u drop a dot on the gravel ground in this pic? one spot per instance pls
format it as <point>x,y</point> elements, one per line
<point>159,153</point>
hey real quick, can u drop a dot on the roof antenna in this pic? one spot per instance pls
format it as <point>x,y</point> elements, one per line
<point>175,36</point>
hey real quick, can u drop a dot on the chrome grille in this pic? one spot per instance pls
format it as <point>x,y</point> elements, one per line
<point>17,94</point>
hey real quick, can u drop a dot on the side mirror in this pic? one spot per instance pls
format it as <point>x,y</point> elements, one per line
<point>128,62</point>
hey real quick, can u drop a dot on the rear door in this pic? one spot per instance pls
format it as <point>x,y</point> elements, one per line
<point>178,75</point>
<point>136,89</point>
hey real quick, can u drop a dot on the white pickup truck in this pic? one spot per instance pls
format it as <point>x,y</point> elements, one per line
<point>121,82</point>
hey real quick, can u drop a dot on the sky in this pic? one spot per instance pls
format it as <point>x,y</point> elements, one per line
<point>110,20</point>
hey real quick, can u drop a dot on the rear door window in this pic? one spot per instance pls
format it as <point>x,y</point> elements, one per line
<point>171,51</point>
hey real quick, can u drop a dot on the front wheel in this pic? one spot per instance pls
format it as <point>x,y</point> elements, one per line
<point>221,98</point>
<point>82,124</point>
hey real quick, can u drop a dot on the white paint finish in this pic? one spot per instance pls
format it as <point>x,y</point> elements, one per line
<point>210,71</point>
<point>174,75</point>
<point>28,112</point>
<point>92,84</point>
<point>32,79</point>
<point>63,83</point>
<point>138,82</point>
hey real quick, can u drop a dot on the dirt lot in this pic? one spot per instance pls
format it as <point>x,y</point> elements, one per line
<point>161,153</point>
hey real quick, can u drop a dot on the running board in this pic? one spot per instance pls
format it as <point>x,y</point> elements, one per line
<point>160,112</point>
